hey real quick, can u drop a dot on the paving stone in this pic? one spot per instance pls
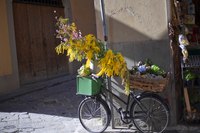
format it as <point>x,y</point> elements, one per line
<point>24,120</point>
<point>25,125</point>
<point>12,123</point>
<point>10,117</point>
<point>24,116</point>
<point>3,123</point>
<point>19,113</point>
<point>43,130</point>
<point>3,115</point>
<point>10,129</point>
<point>27,130</point>
<point>38,125</point>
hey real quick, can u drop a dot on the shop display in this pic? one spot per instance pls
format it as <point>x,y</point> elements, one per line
<point>188,13</point>
<point>148,77</point>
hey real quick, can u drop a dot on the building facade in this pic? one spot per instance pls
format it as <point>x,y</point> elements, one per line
<point>136,28</point>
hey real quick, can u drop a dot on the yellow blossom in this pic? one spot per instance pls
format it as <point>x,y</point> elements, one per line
<point>90,48</point>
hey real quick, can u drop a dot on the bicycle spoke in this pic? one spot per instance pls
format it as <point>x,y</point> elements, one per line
<point>94,106</point>
<point>97,110</point>
<point>90,115</point>
<point>156,118</point>
<point>88,108</point>
<point>153,126</point>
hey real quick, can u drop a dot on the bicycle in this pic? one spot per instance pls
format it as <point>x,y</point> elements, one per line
<point>148,111</point>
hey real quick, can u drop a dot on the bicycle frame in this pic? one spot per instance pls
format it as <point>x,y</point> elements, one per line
<point>135,107</point>
<point>126,103</point>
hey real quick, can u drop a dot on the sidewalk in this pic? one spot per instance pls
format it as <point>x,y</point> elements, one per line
<point>52,108</point>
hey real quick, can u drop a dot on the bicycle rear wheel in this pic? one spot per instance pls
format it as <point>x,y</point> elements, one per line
<point>94,115</point>
<point>150,114</point>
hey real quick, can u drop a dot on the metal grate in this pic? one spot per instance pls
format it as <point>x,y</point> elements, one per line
<point>57,3</point>
<point>193,61</point>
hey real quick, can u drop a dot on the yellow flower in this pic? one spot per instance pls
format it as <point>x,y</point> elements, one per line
<point>73,27</point>
<point>90,48</point>
<point>88,63</point>
<point>101,72</point>
<point>116,68</point>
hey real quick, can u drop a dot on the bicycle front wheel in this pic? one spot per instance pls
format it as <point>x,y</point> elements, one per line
<point>150,114</point>
<point>94,115</point>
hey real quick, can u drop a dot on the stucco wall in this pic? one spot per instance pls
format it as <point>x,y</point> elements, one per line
<point>9,79</point>
<point>83,14</point>
<point>139,30</point>
<point>5,58</point>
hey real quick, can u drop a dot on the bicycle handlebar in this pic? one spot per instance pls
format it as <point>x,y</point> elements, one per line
<point>94,76</point>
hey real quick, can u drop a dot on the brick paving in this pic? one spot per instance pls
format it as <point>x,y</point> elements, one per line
<point>53,109</point>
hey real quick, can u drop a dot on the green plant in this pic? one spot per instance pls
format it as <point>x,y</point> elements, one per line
<point>189,75</point>
<point>148,67</point>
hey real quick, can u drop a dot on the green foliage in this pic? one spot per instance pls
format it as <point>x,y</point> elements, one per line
<point>189,75</point>
<point>157,70</point>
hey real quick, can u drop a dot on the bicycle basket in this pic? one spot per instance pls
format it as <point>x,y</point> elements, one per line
<point>148,84</point>
<point>88,86</point>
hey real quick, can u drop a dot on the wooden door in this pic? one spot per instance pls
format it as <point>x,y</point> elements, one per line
<point>35,42</point>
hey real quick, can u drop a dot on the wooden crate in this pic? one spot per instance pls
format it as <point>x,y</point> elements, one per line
<point>148,84</point>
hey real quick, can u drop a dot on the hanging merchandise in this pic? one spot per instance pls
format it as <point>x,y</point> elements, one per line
<point>189,43</point>
<point>191,7</point>
<point>183,42</point>
<point>147,76</point>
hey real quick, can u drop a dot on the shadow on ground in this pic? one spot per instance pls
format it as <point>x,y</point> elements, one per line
<point>59,100</point>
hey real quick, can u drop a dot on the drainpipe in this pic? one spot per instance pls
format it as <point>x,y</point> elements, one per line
<point>103,22</point>
<point>108,79</point>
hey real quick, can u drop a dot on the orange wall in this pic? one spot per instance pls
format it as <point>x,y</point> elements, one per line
<point>5,53</point>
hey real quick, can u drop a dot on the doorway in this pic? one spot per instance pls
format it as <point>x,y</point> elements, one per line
<point>34,22</point>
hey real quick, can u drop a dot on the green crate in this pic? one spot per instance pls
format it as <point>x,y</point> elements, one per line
<point>88,86</point>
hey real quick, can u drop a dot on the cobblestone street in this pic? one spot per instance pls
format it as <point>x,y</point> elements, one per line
<point>52,109</point>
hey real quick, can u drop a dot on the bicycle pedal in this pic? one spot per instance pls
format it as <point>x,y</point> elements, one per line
<point>120,110</point>
<point>125,112</point>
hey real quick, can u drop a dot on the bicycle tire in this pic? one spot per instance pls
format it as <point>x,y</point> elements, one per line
<point>94,114</point>
<point>150,114</point>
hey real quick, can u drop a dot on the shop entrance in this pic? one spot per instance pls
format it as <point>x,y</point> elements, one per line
<point>188,12</point>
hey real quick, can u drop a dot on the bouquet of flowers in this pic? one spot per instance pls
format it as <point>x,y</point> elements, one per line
<point>88,47</point>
